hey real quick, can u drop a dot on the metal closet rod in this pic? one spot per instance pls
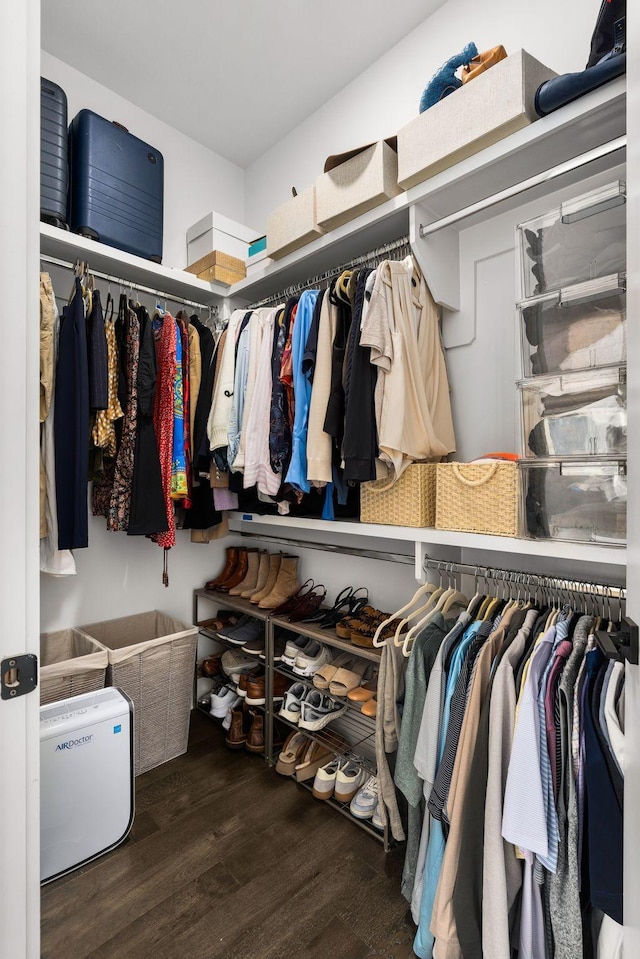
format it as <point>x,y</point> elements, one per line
<point>523,577</point>
<point>545,177</point>
<point>364,258</point>
<point>159,294</point>
<point>331,548</point>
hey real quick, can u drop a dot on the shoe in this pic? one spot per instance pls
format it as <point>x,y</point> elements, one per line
<point>329,617</point>
<point>255,736</point>
<point>210,666</point>
<point>270,582</point>
<point>279,645</point>
<point>348,677</point>
<point>364,802</point>
<point>255,647</point>
<point>251,576</point>
<point>237,735</point>
<point>256,691</point>
<point>238,573</point>
<point>347,604</point>
<point>364,630</point>
<point>324,783</point>
<point>292,752</point>
<point>317,754</point>
<point>244,679</point>
<point>370,708</point>
<point>293,698</point>
<point>317,710</point>
<point>234,663</point>
<point>364,692</point>
<point>310,659</point>
<point>308,604</point>
<point>263,573</point>
<point>219,622</point>
<point>293,601</point>
<point>229,566</point>
<point>376,819</point>
<point>323,676</point>
<point>286,584</point>
<point>294,647</point>
<point>223,701</point>
<point>244,631</point>
<point>349,779</point>
<point>355,618</point>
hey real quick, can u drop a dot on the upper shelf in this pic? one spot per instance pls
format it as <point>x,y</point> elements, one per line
<point>133,269</point>
<point>575,129</point>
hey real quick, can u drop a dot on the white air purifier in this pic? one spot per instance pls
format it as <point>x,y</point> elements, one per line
<point>86,779</point>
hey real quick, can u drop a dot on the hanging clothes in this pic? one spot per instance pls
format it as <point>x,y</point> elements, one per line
<point>103,433</point>
<point>120,499</point>
<point>165,336</point>
<point>360,443</point>
<point>279,417</point>
<point>257,466</point>
<point>183,333</point>
<point>97,356</point>
<point>297,472</point>
<point>220,414</point>
<point>319,442</point>
<point>205,397</point>
<point>195,377</point>
<point>178,462</point>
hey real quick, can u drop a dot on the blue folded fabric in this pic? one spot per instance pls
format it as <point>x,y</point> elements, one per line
<point>445,80</point>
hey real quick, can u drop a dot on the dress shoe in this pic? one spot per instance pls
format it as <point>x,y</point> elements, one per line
<point>286,584</point>
<point>244,680</point>
<point>290,604</point>
<point>229,566</point>
<point>238,574</point>
<point>274,566</point>
<point>251,576</point>
<point>263,575</point>
<point>211,666</point>
<point>256,691</point>
<point>237,734</point>
<point>308,605</point>
<point>255,736</point>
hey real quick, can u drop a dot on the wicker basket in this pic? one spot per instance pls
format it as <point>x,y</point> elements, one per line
<point>152,659</point>
<point>409,502</point>
<point>478,498</point>
<point>70,664</point>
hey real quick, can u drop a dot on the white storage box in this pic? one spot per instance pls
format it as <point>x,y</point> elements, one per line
<point>217,232</point>
<point>293,224</point>
<point>483,111</point>
<point>582,239</point>
<point>576,328</point>
<point>362,181</point>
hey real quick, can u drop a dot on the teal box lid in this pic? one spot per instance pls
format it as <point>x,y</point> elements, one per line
<point>257,246</point>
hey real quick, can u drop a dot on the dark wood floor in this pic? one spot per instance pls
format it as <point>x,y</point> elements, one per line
<point>228,859</point>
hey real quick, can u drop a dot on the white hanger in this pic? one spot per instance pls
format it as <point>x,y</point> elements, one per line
<point>450,597</point>
<point>427,588</point>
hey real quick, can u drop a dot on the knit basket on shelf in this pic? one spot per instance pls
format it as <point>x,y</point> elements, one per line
<point>478,498</point>
<point>411,501</point>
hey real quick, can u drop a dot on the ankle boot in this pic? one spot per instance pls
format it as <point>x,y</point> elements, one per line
<point>263,575</point>
<point>229,566</point>
<point>274,566</point>
<point>237,736</point>
<point>255,737</point>
<point>285,585</point>
<point>237,574</point>
<point>251,578</point>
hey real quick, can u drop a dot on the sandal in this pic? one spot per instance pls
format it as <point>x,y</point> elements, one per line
<point>362,613</point>
<point>292,753</point>
<point>363,635</point>
<point>370,708</point>
<point>293,601</point>
<point>317,754</point>
<point>346,679</point>
<point>329,616</point>
<point>325,674</point>
<point>361,694</point>
<point>307,604</point>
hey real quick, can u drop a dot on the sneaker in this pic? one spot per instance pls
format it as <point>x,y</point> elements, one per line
<point>317,710</point>
<point>311,659</point>
<point>349,779</point>
<point>234,663</point>
<point>243,632</point>
<point>223,701</point>
<point>376,819</point>
<point>293,699</point>
<point>364,802</point>
<point>325,780</point>
<point>255,647</point>
<point>293,647</point>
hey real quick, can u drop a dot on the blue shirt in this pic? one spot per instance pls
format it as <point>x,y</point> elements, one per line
<point>297,472</point>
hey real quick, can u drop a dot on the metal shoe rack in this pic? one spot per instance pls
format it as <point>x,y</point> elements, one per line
<point>353,726</point>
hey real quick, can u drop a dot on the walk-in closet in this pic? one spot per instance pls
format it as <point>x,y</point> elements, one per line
<point>321,586</point>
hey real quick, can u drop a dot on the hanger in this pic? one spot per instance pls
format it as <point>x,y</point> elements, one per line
<point>451,594</point>
<point>424,590</point>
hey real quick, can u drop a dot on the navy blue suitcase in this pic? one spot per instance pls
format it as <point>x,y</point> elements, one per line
<point>54,153</point>
<point>117,186</point>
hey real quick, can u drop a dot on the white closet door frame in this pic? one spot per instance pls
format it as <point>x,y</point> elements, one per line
<point>19,406</point>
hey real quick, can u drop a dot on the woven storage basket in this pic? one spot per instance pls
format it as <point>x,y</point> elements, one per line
<point>478,498</point>
<point>70,664</point>
<point>409,502</point>
<point>152,659</point>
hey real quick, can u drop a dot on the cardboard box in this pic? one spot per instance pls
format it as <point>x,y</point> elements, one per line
<point>216,232</point>
<point>363,181</point>
<point>219,267</point>
<point>293,224</point>
<point>483,111</point>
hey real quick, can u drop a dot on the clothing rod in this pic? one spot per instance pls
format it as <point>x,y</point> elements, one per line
<point>290,291</point>
<point>330,548</point>
<point>159,294</point>
<point>545,177</point>
<point>525,578</point>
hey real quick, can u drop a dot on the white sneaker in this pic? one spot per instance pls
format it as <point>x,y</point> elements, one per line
<point>317,710</point>
<point>293,699</point>
<point>294,647</point>
<point>325,780</point>
<point>364,802</point>
<point>349,779</point>
<point>376,819</point>
<point>223,700</point>
<point>311,659</point>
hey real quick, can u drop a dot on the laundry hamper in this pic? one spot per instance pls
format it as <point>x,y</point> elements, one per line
<point>152,659</point>
<point>411,501</point>
<point>478,497</point>
<point>70,664</point>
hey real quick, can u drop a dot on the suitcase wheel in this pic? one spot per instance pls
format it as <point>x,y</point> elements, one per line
<point>88,232</point>
<point>155,258</point>
<point>54,221</point>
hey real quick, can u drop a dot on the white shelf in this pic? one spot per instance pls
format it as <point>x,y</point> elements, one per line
<point>134,269</point>
<point>575,129</point>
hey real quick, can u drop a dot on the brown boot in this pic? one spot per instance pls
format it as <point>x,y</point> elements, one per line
<point>229,566</point>
<point>250,580</point>
<point>274,566</point>
<point>237,736</point>
<point>255,738</point>
<point>285,586</point>
<point>238,573</point>
<point>263,575</point>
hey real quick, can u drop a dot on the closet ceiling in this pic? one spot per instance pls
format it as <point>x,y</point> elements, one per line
<point>235,76</point>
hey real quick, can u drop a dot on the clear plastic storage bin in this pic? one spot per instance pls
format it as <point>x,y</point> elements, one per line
<point>576,328</point>
<point>577,414</point>
<point>583,502</point>
<point>581,240</point>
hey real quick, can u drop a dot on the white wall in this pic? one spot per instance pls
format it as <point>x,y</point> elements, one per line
<point>196,180</point>
<point>386,96</point>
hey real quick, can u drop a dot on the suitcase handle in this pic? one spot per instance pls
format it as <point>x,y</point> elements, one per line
<point>120,126</point>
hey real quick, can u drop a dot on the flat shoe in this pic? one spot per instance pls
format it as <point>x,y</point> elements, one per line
<point>325,674</point>
<point>363,693</point>
<point>291,754</point>
<point>370,708</point>
<point>347,679</point>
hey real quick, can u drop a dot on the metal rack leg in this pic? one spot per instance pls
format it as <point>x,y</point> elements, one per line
<point>268,710</point>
